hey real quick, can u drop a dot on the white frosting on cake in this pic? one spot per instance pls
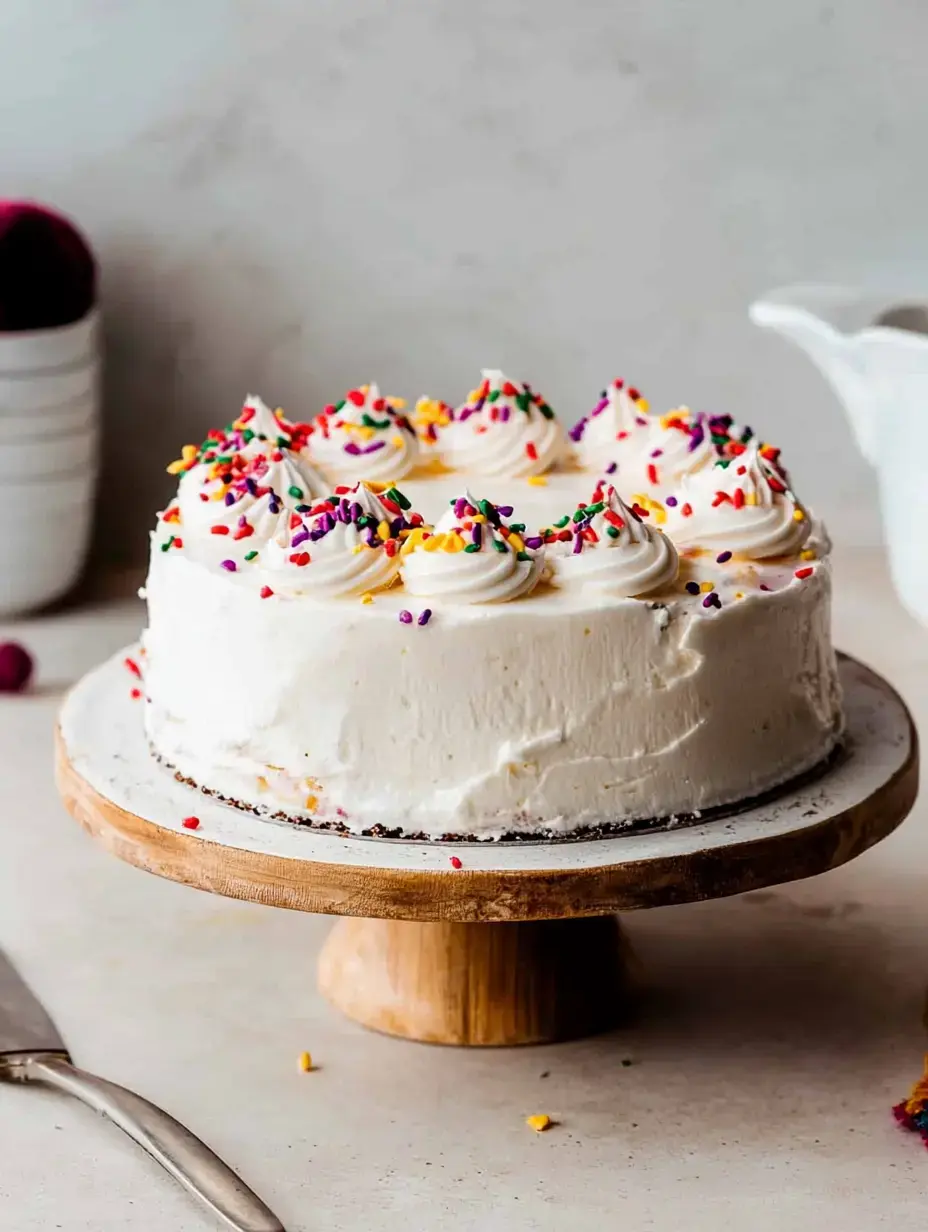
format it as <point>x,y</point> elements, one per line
<point>458,656</point>
<point>363,437</point>
<point>503,428</point>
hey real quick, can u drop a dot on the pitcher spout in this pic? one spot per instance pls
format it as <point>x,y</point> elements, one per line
<point>823,322</point>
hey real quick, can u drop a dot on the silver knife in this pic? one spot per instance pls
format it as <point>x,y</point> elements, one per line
<point>31,1050</point>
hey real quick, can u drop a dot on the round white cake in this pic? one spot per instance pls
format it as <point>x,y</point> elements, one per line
<point>469,623</point>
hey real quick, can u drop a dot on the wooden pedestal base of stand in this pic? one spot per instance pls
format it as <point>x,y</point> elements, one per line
<point>531,982</point>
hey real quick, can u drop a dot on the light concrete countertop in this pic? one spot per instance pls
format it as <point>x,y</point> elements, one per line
<point>754,1090</point>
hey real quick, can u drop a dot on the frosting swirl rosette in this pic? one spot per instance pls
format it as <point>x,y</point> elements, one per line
<point>743,505</point>
<point>504,428</point>
<point>608,547</point>
<point>364,436</point>
<point>347,544</point>
<point>682,443</point>
<point>614,436</point>
<point>240,479</point>
<point>472,555</point>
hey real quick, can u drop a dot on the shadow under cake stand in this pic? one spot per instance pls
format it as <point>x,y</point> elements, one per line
<point>521,943</point>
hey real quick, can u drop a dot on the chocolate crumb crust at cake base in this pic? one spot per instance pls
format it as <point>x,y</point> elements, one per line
<point>582,833</point>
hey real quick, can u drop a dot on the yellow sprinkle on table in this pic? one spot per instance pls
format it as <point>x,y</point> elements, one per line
<point>538,481</point>
<point>705,587</point>
<point>539,1122</point>
<point>305,1062</point>
<point>367,597</point>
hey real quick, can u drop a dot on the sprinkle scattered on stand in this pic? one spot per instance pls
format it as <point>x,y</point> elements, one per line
<point>539,1122</point>
<point>455,862</point>
<point>305,1063</point>
<point>135,694</point>
<point>191,823</point>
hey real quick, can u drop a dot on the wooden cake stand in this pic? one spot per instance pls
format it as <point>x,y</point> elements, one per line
<point>518,945</point>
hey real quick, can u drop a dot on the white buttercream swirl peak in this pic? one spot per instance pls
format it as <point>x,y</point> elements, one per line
<point>504,428</point>
<point>607,546</point>
<point>472,555</point>
<point>742,504</point>
<point>365,436</point>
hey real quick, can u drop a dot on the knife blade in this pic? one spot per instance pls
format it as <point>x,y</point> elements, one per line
<point>24,1024</point>
<point>31,1050</point>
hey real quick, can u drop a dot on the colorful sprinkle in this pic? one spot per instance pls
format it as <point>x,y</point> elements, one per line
<point>455,862</point>
<point>723,558</point>
<point>191,823</point>
<point>405,617</point>
<point>539,1122</point>
<point>693,588</point>
<point>425,616</point>
<point>305,1063</point>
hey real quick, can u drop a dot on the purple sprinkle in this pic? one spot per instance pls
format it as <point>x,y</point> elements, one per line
<point>374,446</point>
<point>534,542</point>
<point>343,508</point>
<point>504,511</point>
<point>671,501</point>
<point>251,486</point>
<point>341,515</point>
<point>576,432</point>
<point>355,511</point>
<point>352,448</point>
<point>692,588</point>
<point>300,537</point>
<point>372,541</point>
<point>459,506</point>
<point>425,616</point>
<point>599,407</point>
<point>396,526</point>
<point>722,557</point>
<point>504,415</point>
<point>612,468</point>
<point>707,602</point>
<point>229,498</point>
<point>656,453</point>
<point>317,534</point>
<point>243,521</point>
<point>405,617</point>
<point>328,521</point>
<point>578,545</point>
<point>466,413</point>
<point>230,565</point>
<point>763,587</point>
<point>697,437</point>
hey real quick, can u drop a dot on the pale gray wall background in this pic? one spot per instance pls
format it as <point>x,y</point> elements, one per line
<point>292,196</point>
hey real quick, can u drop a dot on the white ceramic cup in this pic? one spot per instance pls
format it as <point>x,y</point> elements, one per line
<point>38,460</point>
<point>42,553</point>
<point>49,430</point>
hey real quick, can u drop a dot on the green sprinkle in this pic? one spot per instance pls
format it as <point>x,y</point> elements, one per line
<point>250,555</point>
<point>592,510</point>
<point>283,442</point>
<point>395,495</point>
<point>491,397</point>
<point>498,544</point>
<point>546,410</point>
<point>523,556</point>
<point>563,522</point>
<point>295,492</point>
<point>165,546</point>
<point>339,405</point>
<point>613,532</point>
<point>472,547</point>
<point>486,509</point>
<point>518,527</point>
<point>369,422</point>
<point>224,458</point>
<point>248,435</point>
<point>523,401</point>
<point>579,516</point>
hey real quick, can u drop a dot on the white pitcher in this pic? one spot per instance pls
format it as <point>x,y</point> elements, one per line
<point>874,352</point>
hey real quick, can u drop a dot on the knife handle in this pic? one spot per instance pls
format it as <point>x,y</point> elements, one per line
<point>187,1159</point>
